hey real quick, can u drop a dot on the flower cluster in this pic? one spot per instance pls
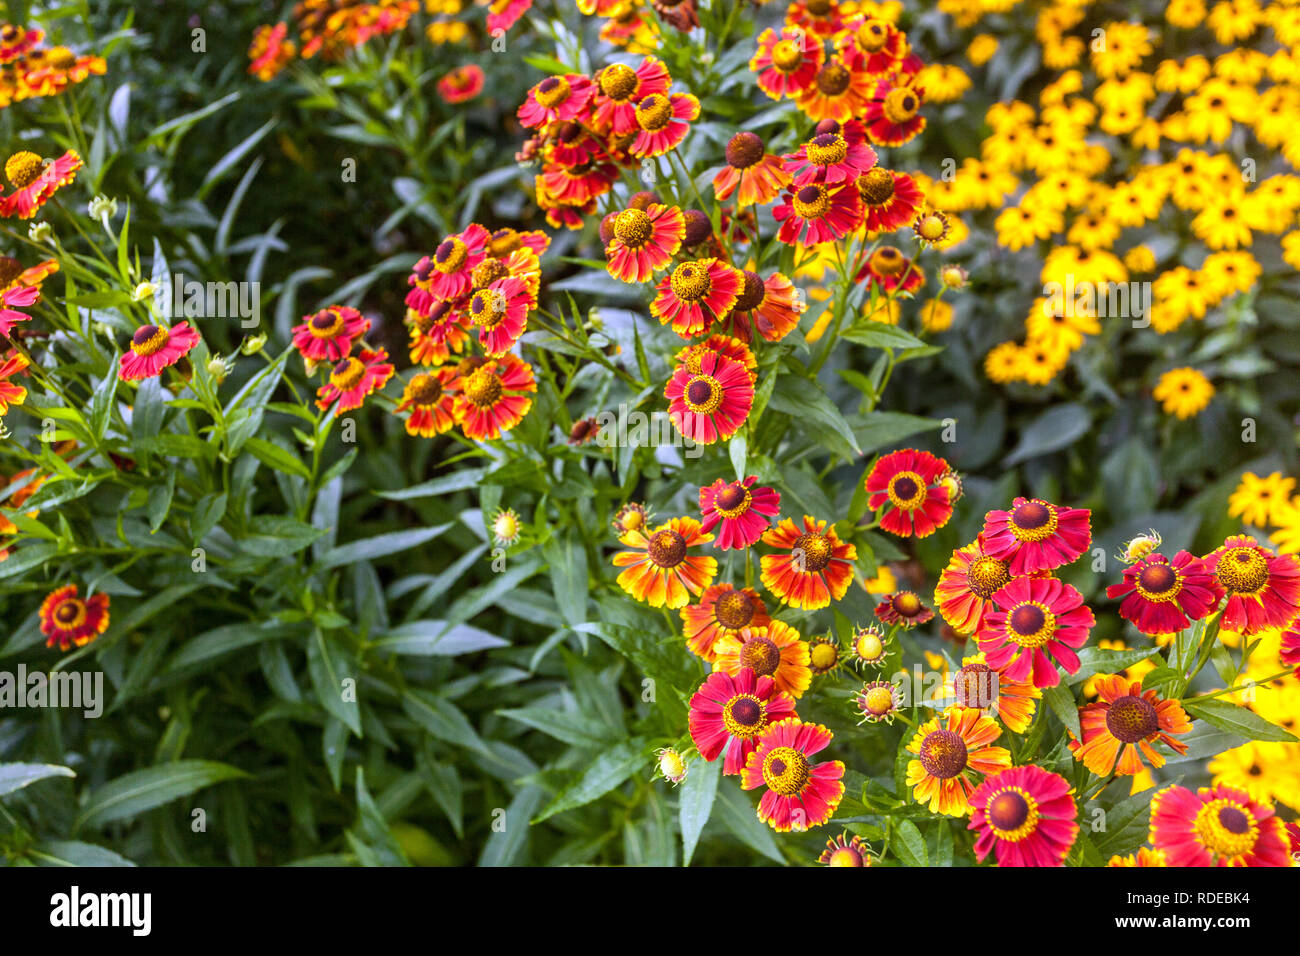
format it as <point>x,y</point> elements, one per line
<point>326,27</point>
<point>29,69</point>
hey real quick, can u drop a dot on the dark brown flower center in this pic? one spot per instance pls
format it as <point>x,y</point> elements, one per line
<point>976,685</point>
<point>1131,719</point>
<point>752,293</point>
<point>815,550</point>
<point>667,548</point>
<point>1158,578</point>
<point>943,754</point>
<point>734,610</point>
<point>744,150</point>
<point>986,575</point>
<point>761,655</point>
<point>833,79</point>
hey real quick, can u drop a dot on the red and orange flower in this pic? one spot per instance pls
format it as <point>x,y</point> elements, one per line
<point>35,182</point>
<point>775,650</point>
<point>757,174</point>
<point>10,393</point>
<point>889,199</point>
<point>768,305</point>
<point>977,685</point>
<point>643,241</point>
<point>828,158</point>
<point>1163,596</point>
<point>435,335</point>
<point>659,569</point>
<point>887,270</point>
<point>493,395</point>
<point>949,749</point>
<point>740,510</point>
<point>817,213</point>
<point>1216,826</point>
<point>555,99</point>
<point>1040,623</point>
<point>1125,723</point>
<point>1263,588</point>
<point>328,335</point>
<point>906,484</point>
<point>724,610</point>
<point>816,566</point>
<point>892,112</point>
<point>154,348</point>
<point>431,400</point>
<point>501,312</point>
<point>663,120</point>
<point>461,84</point>
<point>354,378</point>
<point>730,713</point>
<point>786,64</point>
<point>845,850</point>
<point>695,295</point>
<point>712,402</point>
<point>1026,815</point>
<point>449,273</point>
<point>68,620</point>
<point>903,608</point>
<point>800,793</point>
<point>964,593</point>
<point>1036,535</point>
<point>22,296</point>
<point>620,88</point>
<point>841,90</point>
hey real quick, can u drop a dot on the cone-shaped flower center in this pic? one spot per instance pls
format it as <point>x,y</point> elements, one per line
<point>667,548</point>
<point>786,771</point>
<point>1130,719</point>
<point>23,168</point>
<point>483,388</point>
<point>943,754</point>
<point>876,186</point>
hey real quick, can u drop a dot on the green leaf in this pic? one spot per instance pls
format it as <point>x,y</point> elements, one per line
<point>567,560</point>
<point>738,450</point>
<point>75,853</point>
<point>443,719</point>
<point>134,793</point>
<point>737,814</point>
<point>810,408</point>
<point>604,773</point>
<point>15,776</point>
<point>577,730</point>
<point>1056,428</point>
<point>1237,720</point>
<point>882,429</point>
<point>696,804</point>
<point>909,845</point>
<point>380,546</point>
<point>1100,660</point>
<point>1062,702</point>
<point>1125,824</point>
<point>273,456</point>
<point>445,485</point>
<point>508,844</point>
<point>881,335</point>
<point>436,639</point>
<point>208,510</point>
<point>329,665</point>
